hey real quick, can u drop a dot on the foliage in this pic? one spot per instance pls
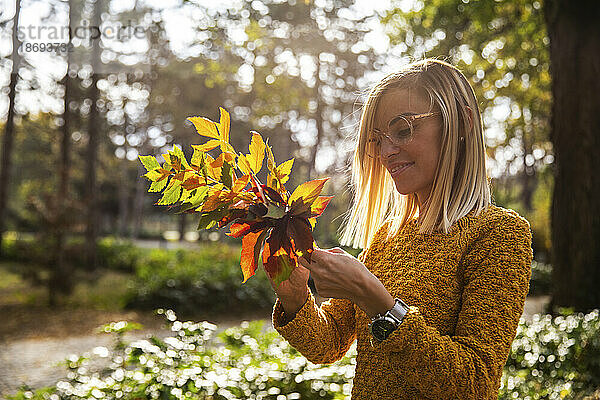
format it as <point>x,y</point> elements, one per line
<point>551,358</point>
<point>269,218</point>
<point>554,358</point>
<point>113,253</point>
<point>241,362</point>
<point>204,281</point>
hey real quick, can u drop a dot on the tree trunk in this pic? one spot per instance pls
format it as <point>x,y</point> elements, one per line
<point>9,128</point>
<point>575,67</point>
<point>91,233</point>
<point>62,271</point>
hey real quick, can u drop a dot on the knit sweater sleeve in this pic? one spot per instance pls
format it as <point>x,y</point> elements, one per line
<point>321,334</point>
<point>468,364</point>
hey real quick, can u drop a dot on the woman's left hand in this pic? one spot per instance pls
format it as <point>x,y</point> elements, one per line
<point>338,274</point>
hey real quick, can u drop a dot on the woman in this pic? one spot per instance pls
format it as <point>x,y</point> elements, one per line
<point>435,298</point>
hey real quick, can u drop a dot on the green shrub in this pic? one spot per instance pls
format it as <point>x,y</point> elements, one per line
<point>240,363</point>
<point>118,254</point>
<point>551,358</point>
<point>554,358</point>
<point>207,281</point>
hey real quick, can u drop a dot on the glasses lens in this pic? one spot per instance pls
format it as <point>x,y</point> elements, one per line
<point>401,130</point>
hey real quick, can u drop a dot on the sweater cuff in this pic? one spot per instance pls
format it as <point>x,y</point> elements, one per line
<point>406,336</point>
<point>305,314</point>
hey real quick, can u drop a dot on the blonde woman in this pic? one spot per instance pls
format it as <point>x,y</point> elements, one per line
<point>435,298</point>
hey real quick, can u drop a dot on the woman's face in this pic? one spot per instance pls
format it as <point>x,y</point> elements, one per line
<point>412,166</point>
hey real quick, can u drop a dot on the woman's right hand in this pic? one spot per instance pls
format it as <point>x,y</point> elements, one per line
<point>294,291</point>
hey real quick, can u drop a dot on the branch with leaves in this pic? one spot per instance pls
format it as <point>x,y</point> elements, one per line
<point>226,190</point>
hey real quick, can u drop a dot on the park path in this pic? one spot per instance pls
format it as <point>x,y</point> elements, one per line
<point>36,360</point>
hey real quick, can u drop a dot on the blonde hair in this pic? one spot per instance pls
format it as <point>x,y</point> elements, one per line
<point>460,184</point>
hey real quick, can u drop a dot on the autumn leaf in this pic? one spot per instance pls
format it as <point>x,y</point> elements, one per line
<point>211,144</point>
<point>284,170</point>
<point>319,205</point>
<point>300,232</point>
<point>305,194</point>
<point>251,246</point>
<point>244,165</point>
<point>257,152</point>
<point>223,127</point>
<point>204,127</point>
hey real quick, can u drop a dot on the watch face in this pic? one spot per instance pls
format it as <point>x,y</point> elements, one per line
<point>382,328</point>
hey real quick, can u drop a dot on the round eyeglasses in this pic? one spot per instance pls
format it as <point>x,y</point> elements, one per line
<point>400,131</point>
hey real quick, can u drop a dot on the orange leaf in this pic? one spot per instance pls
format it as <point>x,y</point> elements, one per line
<point>319,205</point>
<point>240,183</point>
<point>305,194</point>
<point>192,183</point>
<point>238,229</point>
<point>251,245</point>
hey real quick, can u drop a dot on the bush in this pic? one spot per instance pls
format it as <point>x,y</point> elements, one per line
<point>554,358</point>
<point>243,363</point>
<point>208,280</point>
<point>551,358</point>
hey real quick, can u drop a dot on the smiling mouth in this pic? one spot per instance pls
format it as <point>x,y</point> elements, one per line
<point>401,168</point>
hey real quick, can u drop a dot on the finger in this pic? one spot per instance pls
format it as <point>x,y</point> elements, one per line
<point>304,262</point>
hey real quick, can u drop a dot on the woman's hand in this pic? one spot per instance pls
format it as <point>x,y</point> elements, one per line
<point>337,274</point>
<point>294,291</point>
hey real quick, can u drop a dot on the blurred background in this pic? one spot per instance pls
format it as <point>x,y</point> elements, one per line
<point>87,86</point>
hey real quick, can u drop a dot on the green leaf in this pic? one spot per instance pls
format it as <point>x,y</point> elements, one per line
<point>179,153</point>
<point>211,218</point>
<point>158,186</point>
<point>149,162</point>
<point>227,175</point>
<point>170,196</point>
<point>195,200</point>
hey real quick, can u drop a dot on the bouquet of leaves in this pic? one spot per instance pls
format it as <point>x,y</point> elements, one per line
<point>227,190</point>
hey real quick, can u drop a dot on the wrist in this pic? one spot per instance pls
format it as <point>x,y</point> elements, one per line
<point>375,298</point>
<point>293,305</point>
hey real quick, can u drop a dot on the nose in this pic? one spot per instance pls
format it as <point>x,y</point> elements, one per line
<point>387,149</point>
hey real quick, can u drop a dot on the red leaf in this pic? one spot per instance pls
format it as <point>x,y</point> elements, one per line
<point>278,256</point>
<point>257,189</point>
<point>299,231</point>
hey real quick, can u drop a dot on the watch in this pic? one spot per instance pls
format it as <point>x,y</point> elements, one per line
<point>382,326</point>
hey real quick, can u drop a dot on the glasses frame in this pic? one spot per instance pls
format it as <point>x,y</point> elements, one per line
<point>410,119</point>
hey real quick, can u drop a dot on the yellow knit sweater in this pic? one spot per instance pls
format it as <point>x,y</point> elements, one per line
<point>466,290</point>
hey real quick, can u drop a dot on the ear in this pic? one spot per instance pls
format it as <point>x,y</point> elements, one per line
<point>470,116</point>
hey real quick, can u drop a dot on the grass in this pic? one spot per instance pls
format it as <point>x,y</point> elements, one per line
<point>107,293</point>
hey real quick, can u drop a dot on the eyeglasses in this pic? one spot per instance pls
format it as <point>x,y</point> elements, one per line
<point>400,131</point>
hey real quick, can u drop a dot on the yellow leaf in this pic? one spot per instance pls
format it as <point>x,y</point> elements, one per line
<point>284,170</point>
<point>211,144</point>
<point>244,165</point>
<point>224,123</point>
<point>205,127</point>
<point>270,158</point>
<point>257,152</point>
